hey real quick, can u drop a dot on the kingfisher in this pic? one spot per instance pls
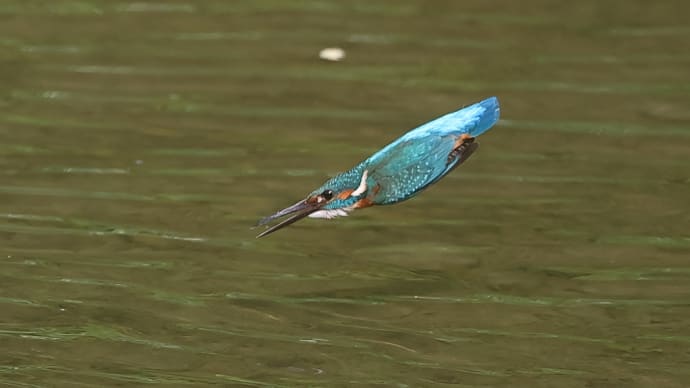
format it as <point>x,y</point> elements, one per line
<point>400,170</point>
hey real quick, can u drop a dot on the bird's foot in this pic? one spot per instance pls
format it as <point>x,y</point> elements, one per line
<point>464,147</point>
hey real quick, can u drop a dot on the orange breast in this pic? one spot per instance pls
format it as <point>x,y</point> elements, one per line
<point>364,202</point>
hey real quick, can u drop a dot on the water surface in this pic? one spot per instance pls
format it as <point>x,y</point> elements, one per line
<point>139,141</point>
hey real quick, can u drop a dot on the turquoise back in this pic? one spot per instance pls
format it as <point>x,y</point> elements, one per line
<point>417,159</point>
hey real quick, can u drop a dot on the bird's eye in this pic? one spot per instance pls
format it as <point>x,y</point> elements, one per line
<point>327,195</point>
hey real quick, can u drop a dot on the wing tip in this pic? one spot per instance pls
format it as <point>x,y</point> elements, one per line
<point>488,117</point>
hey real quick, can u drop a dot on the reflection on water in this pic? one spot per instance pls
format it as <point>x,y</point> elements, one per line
<point>139,141</point>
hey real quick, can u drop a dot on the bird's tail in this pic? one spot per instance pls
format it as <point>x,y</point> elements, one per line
<point>488,113</point>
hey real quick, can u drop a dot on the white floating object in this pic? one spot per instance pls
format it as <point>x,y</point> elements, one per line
<point>332,54</point>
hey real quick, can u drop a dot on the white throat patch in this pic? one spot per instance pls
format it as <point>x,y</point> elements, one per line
<point>330,213</point>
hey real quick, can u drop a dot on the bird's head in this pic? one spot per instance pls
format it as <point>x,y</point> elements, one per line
<point>337,197</point>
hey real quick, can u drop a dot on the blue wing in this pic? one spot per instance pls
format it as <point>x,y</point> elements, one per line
<point>472,120</point>
<point>421,156</point>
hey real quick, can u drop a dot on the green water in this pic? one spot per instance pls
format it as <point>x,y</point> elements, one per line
<point>140,141</point>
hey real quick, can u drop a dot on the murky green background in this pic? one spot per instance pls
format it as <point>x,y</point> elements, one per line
<point>140,141</point>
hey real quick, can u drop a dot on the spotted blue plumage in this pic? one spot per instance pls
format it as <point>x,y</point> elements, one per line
<point>398,171</point>
<point>414,161</point>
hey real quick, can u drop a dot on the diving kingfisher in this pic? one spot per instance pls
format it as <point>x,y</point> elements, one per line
<point>399,170</point>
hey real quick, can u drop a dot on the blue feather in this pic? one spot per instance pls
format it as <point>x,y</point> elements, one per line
<point>417,159</point>
<point>400,170</point>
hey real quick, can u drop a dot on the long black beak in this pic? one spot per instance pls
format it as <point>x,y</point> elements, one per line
<point>302,209</point>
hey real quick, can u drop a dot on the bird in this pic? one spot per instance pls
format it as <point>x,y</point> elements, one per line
<point>398,171</point>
